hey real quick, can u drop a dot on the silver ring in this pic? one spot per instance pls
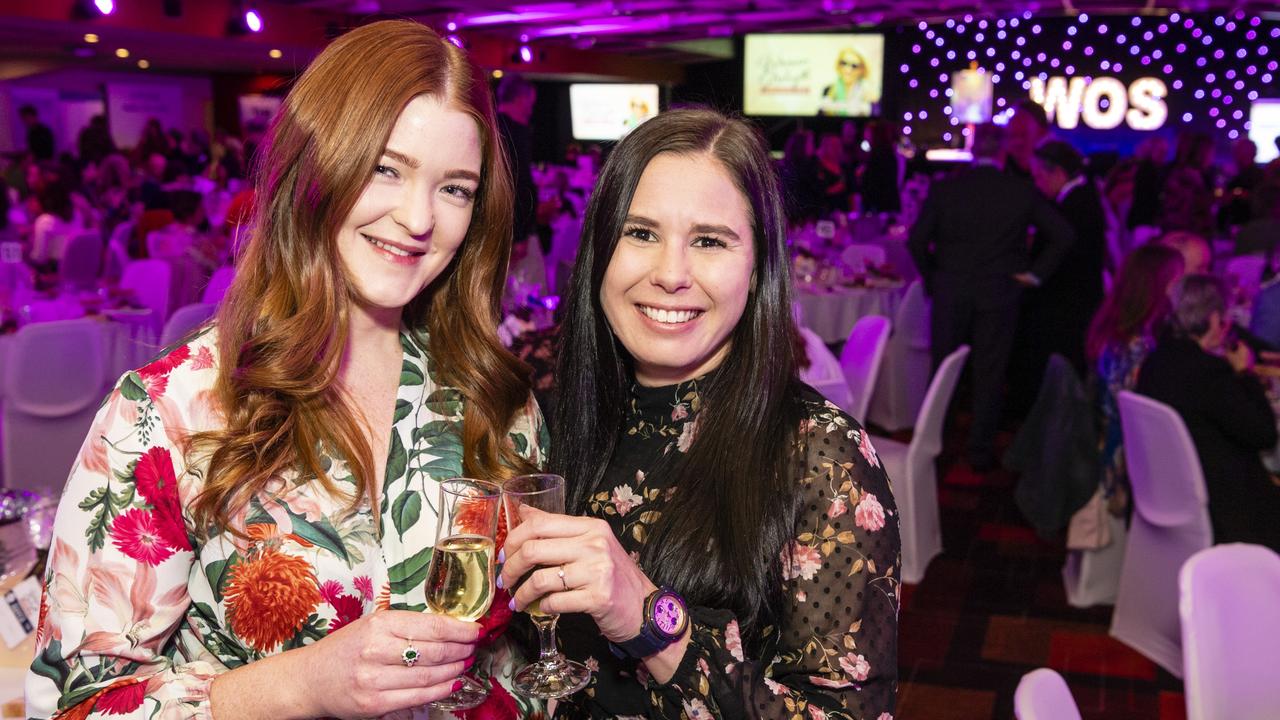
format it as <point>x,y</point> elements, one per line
<point>563,584</point>
<point>409,655</point>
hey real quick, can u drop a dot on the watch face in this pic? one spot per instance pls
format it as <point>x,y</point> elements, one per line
<point>668,614</point>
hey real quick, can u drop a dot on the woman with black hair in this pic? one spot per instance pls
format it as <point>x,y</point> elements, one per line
<point>737,550</point>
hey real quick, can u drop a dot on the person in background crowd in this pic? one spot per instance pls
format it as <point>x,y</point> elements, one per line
<point>258,556</point>
<point>1204,373</point>
<point>1064,304</point>
<point>970,245</point>
<point>798,173</point>
<point>1237,207</point>
<point>1197,254</point>
<point>154,141</point>
<point>1262,233</point>
<point>681,299</point>
<point>1121,335</point>
<point>95,142</point>
<point>830,176</point>
<point>1153,169</point>
<point>39,136</point>
<point>1028,126</point>
<point>58,220</point>
<point>880,178</point>
<point>151,191</point>
<point>516,98</point>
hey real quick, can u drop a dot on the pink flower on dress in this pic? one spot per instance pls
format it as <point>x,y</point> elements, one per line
<point>800,561</point>
<point>885,716</point>
<point>801,596</point>
<point>834,684</point>
<point>855,666</point>
<point>868,452</point>
<point>687,434</point>
<point>817,713</point>
<point>703,667</point>
<point>349,610</point>
<point>624,499</point>
<point>776,687</point>
<point>330,589</point>
<point>203,359</point>
<point>137,534</point>
<point>696,710</point>
<point>155,385</point>
<point>364,586</point>
<point>121,697</point>
<point>168,363</point>
<point>869,515</point>
<point>156,482</point>
<point>838,507</point>
<point>679,412</point>
<point>592,664</point>
<point>733,641</point>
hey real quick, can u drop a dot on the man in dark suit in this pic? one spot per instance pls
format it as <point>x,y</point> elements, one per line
<point>1063,306</point>
<point>516,97</point>
<point>39,136</point>
<point>970,245</point>
<point>1199,372</point>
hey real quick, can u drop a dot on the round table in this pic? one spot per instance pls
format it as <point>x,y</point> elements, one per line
<point>832,312</point>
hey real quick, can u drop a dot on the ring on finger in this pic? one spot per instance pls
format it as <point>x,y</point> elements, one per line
<point>409,655</point>
<point>563,584</point>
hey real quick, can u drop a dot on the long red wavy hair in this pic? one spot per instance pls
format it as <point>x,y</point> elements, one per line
<point>283,325</point>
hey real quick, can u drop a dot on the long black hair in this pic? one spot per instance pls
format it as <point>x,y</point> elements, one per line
<point>719,544</point>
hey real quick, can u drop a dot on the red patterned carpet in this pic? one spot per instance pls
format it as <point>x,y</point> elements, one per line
<point>991,608</point>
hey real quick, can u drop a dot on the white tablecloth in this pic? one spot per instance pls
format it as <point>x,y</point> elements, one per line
<point>832,313</point>
<point>131,342</point>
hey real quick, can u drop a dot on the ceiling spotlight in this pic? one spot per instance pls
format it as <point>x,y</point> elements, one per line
<point>253,20</point>
<point>90,9</point>
<point>90,38</point>
<point>525,53</point>
<point>275,53</point>
<point>144,64</point>
<point>497,74</point>
<point>122,53</point>
<point>244,19</point>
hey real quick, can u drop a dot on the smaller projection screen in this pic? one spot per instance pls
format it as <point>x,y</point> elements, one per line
<point>607,111</point>
<point>813,74</point>
<point>1264,128</point>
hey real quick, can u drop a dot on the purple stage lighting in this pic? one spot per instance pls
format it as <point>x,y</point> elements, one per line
<point>253,21</point>
<point>106,7</point>
<point>526,54</point>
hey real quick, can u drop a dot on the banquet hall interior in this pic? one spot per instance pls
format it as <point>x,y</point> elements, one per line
<point>1083,448</point>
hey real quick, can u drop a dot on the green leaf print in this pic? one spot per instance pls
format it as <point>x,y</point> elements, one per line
<point>403,408</point>
<point>102,502</point>
<point>132,388</point>
<point>406,510</point>
<point>446,402</point>
<point>521,444</point>
<point>409,348</point>
<point>407,575</point>
<point>397,458</point>
<point>216,572</point>
<point>51,664</point>
<point>320,533</point>
<point>410,374</point>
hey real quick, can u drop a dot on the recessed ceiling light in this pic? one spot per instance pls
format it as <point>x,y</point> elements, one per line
<point>90,38</point>
<point>275,54</point>
<point>122,53</point>
<point>497,74</point>
<point>144,64</point>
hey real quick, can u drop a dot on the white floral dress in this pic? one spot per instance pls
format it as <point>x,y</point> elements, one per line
<point>139,615</point>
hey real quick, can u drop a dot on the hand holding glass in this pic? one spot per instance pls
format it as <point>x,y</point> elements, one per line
<point>552,676</point>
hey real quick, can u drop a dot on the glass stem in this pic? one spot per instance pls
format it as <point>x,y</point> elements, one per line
<point>547,651</point>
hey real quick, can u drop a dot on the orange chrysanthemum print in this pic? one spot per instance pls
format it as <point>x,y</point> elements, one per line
<point>269,596</point>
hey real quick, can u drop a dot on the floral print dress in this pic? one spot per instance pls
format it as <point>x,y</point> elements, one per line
<point>1117,370</point>
<point>834,652</point>
<point>139,615</point>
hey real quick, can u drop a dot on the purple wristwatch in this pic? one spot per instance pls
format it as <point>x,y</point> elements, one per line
<point>665,620</point>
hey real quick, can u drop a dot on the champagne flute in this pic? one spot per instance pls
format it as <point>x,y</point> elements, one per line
<point>460,578</point>
<point>553,675</point>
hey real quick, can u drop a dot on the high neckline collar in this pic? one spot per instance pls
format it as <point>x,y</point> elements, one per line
<point>661,401</point>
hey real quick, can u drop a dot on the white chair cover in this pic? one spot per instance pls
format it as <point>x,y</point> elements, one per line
<point>861,359</point>
<point>218,284</point>
<point>824,373</point>
<point>1042,694</point>
<point>1245,272</point>
<point>1229,603</point>
<point>904,372</point>
<point>55,375</point>
<point>184,320</point>
<point>858,256</point>
<point>113,262</point>
<point>150,281</point>
<point>913,471</point>
<point>81,260</point>
<point>1170,523</point>
<point>40,311</point>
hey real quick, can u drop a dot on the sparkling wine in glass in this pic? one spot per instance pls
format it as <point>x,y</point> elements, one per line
<point>552,675</point>
<point>460,577</point>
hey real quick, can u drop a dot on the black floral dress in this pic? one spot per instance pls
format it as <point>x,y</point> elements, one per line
<point>834,652</point>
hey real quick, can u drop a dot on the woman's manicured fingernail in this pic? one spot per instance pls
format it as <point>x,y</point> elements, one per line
<point>457,685</point>
<point>502,555</point>
<point>466,665</point>
<point>512,604</point>
<point>501,585</point>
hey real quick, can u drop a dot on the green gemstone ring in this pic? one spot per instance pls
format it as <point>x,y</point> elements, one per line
<point>409,655</point>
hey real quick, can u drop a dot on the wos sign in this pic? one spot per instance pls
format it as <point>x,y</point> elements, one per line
<point>1102,103</point>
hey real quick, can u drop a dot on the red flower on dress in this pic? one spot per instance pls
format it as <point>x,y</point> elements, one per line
<point>349,610</point>
<point>122,696</point>
<point>494,623</point>
<point>155,385</point>
<point>155,480</point>
<point>364,586</point>
<point>269,597</point>
<point>498,706</point>
<point>166,364</point>
<point>138,534</point>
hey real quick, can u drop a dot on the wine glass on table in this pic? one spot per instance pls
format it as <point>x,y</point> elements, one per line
<point>460,577</point>
<point>552,675</point>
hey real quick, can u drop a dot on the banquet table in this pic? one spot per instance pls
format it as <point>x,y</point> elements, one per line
<point>130,338</point>
<point>832,311</point>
